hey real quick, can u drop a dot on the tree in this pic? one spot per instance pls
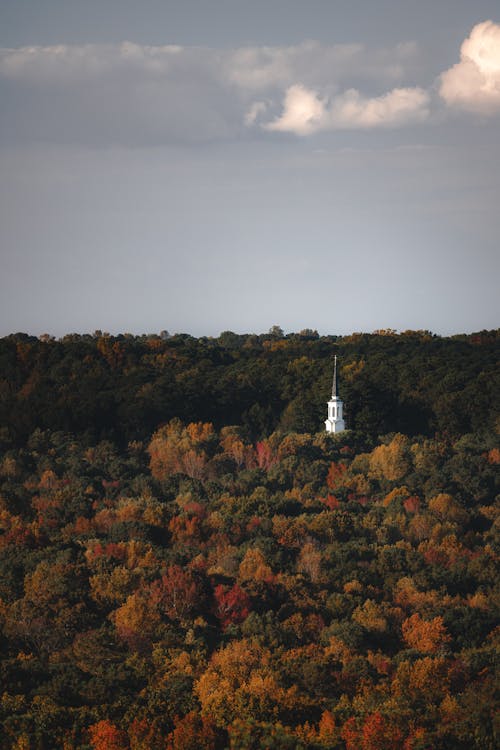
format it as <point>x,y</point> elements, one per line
<point>250,734</point>
<point>371,616</point>
<point>176,593</point>
<point>253,567</point>
<point>426,636</point>
<point>106,736</point>
<point>136,621</point>
<point>232,605</point>
<point>192,732</point>
<point>336,475</point>
<point>310,561</point>
<point>276,332</point>
<point>237,678</point>
<point>144,735</point>
<point>391,462</point>
<point>376,733</point>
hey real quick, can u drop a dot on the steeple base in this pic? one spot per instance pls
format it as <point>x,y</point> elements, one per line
<point>334,425</point>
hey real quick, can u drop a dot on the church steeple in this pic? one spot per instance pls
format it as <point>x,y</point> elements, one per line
<point>335,422</point>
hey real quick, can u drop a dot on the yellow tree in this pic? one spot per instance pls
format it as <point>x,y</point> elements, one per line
<point>253,567</point>
<point>136,621</point>
<point>426,636</point>
<point>239,682</point>
<point>391,462</point>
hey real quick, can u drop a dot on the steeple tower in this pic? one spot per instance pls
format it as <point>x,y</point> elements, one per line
<point>335,422</point>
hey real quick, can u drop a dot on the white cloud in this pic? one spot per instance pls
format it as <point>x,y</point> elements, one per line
<point>136,94</point>
<point>305,112</point>
<point>474,82</point>
<point>400,106</point>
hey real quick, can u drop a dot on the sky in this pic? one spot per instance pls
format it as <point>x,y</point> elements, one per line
<point>197,166</point>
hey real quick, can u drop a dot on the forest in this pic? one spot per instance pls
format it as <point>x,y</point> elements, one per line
<point>189,562</point>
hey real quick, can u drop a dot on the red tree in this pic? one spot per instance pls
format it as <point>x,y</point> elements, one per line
<point>192,732</point>
<point>232,605</point>
<point>378,733</point>
<point>106,736</point>
<point>176,593</point>
<point>375,734</point>
<point>335,475</point>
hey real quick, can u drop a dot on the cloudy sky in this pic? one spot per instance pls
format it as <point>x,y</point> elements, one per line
<point>201,166</point>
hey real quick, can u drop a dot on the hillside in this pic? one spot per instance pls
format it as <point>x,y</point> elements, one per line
<point>188,561</point>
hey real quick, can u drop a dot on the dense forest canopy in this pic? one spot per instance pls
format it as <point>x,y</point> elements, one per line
<point>188,561</point>
<point>123,387</point>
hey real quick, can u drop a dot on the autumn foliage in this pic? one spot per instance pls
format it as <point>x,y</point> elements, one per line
<point>186,562</point>
<point>232,605</point>
<point>425,636</point>
<point>106,736</point>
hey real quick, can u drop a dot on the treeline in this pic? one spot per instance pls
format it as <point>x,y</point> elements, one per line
<point>203,590</point>
<point>122,387</point>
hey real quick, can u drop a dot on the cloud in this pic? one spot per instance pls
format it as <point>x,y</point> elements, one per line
<point>305,112</point>
<point>132,94</point>
<point>254,112</point>
<point>401,106</point>
<point>249,68</point>
<point>319,65</point>
<point>125,94</point>
<point>61,63</point>
<point>474,83</point>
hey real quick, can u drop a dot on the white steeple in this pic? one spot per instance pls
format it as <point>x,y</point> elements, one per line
<point>335,423</point>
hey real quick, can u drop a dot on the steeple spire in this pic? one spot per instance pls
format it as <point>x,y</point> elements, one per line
<point>335,384</point>
<point>335,422</point>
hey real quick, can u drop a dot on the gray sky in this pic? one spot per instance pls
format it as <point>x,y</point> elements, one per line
<point>202,166</point>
